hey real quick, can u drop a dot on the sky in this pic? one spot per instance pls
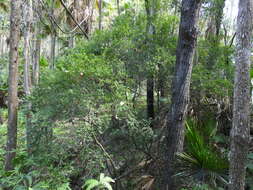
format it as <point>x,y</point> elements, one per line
<point>231,11</point>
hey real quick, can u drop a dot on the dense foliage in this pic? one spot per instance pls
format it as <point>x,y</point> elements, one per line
<point>87,117</point>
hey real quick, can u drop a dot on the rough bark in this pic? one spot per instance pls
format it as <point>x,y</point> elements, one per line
<point>13,84</point>
<point>180,88</point>
<point>240,133</point>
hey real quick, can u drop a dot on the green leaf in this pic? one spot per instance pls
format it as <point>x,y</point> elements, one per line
<point>91,183</point>
<point>107,186</point>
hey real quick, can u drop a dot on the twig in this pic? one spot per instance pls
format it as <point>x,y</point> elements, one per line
<point>105,152</point>
<point>138,167</point>
<point>232,40</point>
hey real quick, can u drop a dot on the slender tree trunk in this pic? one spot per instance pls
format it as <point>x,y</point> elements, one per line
<point>1,119</point>
<point>150,98</point>
<point>180,88</point>
<point>36,65</point>
<point>118,7</point>
<point>28,10</point>
<point>151,13</point>
<point>240,133</point>
<point>27,40</point>
<point>53,39</point>
<point>218,16</point>
<point>52,51</point>
<point>13,84</point>
<point>100,14</point>
<point>37,49</point>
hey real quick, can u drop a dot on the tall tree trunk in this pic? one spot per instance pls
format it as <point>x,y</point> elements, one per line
<point>27,40</point>
<point>151,13</point>
<point>240,133</point>
<point>37,48</point>
<point>100,6</point>
<point>28,10</point>
<point>180,88</point>
<point>13,84</point>
<point>53,38</point>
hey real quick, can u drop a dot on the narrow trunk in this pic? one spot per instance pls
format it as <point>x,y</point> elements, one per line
<point>27,40</point>
<point>118,7</point>
<point>240,133</point>
<point>100,6</point>
<point>180,88</point>
<point>13,84</point>
<point>36,64</point>
<point>219,15</point>
<point>27,75</point>
<point>150,10</point>
<point>53,38</point>
<point>150,98</point>
<point>37,46</point>
<point>52,51</point>
<point>1,119</point>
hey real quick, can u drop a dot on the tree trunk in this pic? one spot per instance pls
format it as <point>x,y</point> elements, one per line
<point>1,119</point>
<point>100,6</point>
<point>150,98</point>
<point>240,133</point>
<point>36,65</point>
<point>118,7</point>
<point>13,84</point>
<point>52,51</point>
<point>219,15</point>
<point>180,88</point>
<point>213,32</point>
<point>27,40</point>
<point>37,49</point>
<point>53,38</point>
<point>151,13</point>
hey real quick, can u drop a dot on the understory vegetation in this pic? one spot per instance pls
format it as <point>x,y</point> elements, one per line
<point>85,125</point>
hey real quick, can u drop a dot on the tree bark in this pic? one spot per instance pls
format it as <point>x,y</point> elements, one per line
<point>150,30</point>
<point>53,38</point>
<point>100,7</point>
<point>37,50</point>
<point>36,64</point>
<point>13,84</point>
<point>180,88</point>
<point>240,133</point>
<point>27,40</point>
<point>52,51</point>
